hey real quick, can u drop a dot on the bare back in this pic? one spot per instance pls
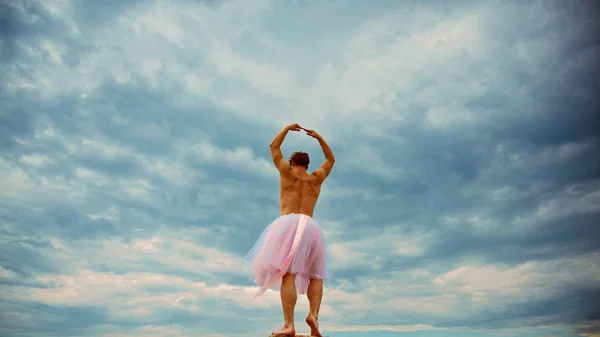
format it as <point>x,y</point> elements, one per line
<point>298,189</point>
<point>299,192</point>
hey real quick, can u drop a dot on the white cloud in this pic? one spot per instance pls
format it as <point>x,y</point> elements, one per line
<point>241,158</point>
<point>165,331</point>
<point>571,200</point>
<point>396,328</point>
<point>169,250</point>
<point>498,284</point>
<point>372,163</point>
<point>14,182</point>
<point>343,90</point>
<point>143,294</point>
<point>35,159</point>
<point>418,67</point>
<point>371,250</point>
<point>7,274</point>
<point>134,289</point>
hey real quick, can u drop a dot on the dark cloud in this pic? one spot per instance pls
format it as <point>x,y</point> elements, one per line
<point>539,76</point>
<point>573,307</point>
<point>22,319</point>
<point>24,261</point>
<point>443,162</point>
<point>551,239</point>
<point>57,220</point>
<point>25,24</point>
<point>94,14</point>
<point>590,328</point>
<point>14,123</point>
<point>78,225</point>
<point>22,21</point>
<point>140,104</point>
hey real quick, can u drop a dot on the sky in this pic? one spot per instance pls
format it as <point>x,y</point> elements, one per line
<point>135,172</point>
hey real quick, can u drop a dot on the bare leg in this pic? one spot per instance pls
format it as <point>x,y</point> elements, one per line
<point>315,295</point>
<point>288,302</point>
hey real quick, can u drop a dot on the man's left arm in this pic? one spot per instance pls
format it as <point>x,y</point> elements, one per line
<point>281,164</point>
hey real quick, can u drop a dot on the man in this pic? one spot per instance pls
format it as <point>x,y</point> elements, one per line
<point>290,254</point>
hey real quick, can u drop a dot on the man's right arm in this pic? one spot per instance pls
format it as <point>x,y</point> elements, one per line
<point>323,172</point>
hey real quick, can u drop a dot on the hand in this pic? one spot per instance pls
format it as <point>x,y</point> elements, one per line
<point>295,127</point>
<point>312,133</point>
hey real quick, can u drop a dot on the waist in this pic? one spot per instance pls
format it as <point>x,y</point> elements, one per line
<point>299,215</point>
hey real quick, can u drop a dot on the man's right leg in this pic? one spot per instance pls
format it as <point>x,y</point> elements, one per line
<point>315,295</point>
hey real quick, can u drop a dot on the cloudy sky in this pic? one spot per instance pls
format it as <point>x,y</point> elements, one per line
<point>135,170</point>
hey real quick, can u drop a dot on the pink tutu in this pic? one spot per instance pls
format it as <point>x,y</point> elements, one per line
<point>292,243</point>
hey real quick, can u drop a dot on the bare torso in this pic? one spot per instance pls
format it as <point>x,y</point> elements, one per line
<point>299,192</point>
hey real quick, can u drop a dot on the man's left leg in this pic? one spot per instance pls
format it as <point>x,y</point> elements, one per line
<point>288,302</point>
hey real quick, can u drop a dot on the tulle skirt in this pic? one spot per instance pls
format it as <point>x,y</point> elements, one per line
<point>292,243</point>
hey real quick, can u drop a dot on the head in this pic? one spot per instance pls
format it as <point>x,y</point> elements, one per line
<point>299,160</point>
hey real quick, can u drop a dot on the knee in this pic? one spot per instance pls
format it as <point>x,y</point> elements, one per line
<point>289,277</point>
<point>316,281</point>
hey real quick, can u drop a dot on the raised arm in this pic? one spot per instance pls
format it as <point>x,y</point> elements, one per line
<point>281,164</point>
<point>323,172</point>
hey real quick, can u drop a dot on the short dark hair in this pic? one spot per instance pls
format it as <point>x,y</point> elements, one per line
<point>300,159</point>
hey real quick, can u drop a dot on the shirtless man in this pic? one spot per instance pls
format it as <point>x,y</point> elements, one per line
<point>290,253</point>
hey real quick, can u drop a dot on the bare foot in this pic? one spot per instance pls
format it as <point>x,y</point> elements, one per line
<point>314,325</point>
<point>287,330</point>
